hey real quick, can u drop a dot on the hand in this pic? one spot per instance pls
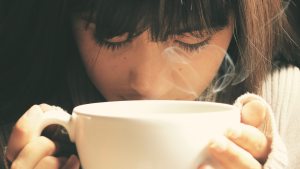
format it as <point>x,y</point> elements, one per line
<point>28,152</point>
<point>243,147</point>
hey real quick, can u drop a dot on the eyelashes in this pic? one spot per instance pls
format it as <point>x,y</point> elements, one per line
<point>114,45</point>
<point>189,47</point>
<point>194,46</point>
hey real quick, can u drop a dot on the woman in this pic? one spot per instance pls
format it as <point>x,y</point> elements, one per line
<point>96,50</point>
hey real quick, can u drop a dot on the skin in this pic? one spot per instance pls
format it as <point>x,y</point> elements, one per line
<point>139,70</point>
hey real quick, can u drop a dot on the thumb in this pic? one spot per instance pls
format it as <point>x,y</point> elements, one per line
<point>253,113</point>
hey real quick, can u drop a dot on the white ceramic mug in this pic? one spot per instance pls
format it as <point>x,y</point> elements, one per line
<point>145,134</point>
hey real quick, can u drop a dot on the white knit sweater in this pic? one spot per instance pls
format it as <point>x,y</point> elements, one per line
<point>281,93</point>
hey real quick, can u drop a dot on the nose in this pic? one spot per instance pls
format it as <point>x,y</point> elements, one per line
<point>150,74</point>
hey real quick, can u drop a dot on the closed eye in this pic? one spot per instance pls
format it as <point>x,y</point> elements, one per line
<point>117,41</point>
<point>192,47</point>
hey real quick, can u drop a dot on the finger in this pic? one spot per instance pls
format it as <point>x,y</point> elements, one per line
<point>51,130</point>
<point>251,139</point>
<point>22,131</point>
<point>33,152</point>
<point>231,156</point>
<point>46,107</point>
<point>51,162</point>
<point>205,166</point>
<point>72,163</point>
<point>253,113</point>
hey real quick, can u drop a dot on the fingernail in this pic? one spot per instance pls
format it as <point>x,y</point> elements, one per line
<point>205,166</point>
<point>219,144</point>
<point>73,161</point>
<point>233,133</point>
<point>57,108</point>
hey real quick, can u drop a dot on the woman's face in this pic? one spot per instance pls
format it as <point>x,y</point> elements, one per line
<point>178,69</point>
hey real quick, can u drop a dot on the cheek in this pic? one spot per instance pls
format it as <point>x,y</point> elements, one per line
<point>87,46</point>
<point>91,57</point>
<point>204,64</point>
<point>109,74</point>
<point>203,68</point>
<point>90,52</point>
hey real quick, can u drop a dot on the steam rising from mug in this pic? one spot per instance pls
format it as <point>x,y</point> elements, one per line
<point>223,77</point>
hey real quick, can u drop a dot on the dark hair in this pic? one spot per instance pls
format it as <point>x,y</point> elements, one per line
<point>35,45</point>
<point>162,18</point>
<point>40,61</point>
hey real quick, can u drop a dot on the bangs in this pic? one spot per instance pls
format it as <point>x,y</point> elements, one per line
<point>162,18</point>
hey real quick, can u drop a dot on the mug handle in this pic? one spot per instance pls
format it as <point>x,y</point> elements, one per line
<point>58,117</point>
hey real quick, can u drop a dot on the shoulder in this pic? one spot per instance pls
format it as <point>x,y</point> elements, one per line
<point>281,88</point>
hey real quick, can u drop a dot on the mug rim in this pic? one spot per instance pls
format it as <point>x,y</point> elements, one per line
<point>86,109</point>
